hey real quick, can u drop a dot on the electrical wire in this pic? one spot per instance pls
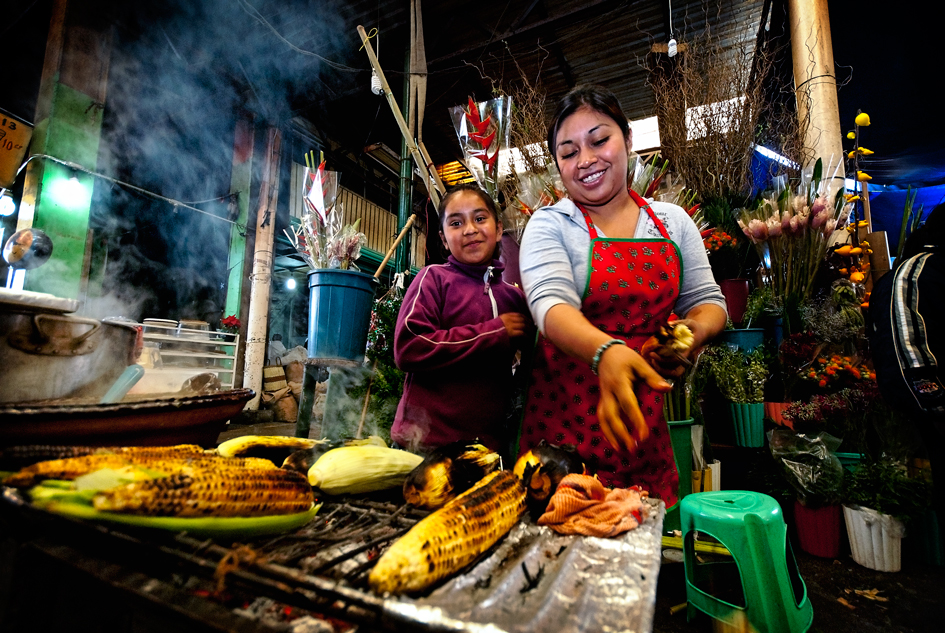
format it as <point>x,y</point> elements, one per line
<point>175,203</point>
<point>256,15</point>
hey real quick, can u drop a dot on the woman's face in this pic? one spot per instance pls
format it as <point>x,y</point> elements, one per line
<point>592,157</point>
<point>470,230</point>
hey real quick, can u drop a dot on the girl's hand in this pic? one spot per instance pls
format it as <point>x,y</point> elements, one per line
<point>620,370</point>
<point>516,324</point>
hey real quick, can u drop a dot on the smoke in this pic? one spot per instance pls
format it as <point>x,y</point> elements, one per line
<point>344,405</point>
<point>181,75</point>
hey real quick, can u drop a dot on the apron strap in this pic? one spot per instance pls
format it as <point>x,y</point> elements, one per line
<point>640,202</point>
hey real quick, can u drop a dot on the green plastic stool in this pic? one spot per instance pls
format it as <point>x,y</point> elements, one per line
<point>750,525</point>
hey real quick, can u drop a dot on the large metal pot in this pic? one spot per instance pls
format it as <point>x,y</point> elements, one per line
<point>51,356</point>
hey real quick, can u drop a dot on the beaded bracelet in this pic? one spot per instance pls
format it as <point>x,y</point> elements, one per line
<point>600,352</point>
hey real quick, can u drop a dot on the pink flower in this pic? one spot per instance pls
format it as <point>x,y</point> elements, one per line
<point>819,205</point>
<point>757,231</point>
<point>786,219</point>
<point>829,227</point>
<point>820,216</point>
<point>774,226</point>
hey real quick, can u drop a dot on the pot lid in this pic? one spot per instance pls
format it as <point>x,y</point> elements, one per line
<point>28,301</point>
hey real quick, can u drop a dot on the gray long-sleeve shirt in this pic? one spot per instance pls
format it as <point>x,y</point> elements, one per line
<point>555,251</point>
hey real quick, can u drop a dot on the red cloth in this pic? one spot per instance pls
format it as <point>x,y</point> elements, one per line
<point>633,287</point>
<point>582,505</point>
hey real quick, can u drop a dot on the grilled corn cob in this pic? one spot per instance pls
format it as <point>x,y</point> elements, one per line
<point>542,469</point>
<point>171,462</point>
<point>250,493</point>
<point>273,447</point>
<point>17,457</point>
<point>452,537</point>
<point>447,472</point>
<point>302,460</point>
<point>356,469</point>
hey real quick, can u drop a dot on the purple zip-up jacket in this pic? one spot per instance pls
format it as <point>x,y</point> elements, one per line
<point>457,355</point>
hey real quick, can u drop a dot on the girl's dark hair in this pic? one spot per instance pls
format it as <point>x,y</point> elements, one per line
<point>471,187</point>
<point>595,97</point>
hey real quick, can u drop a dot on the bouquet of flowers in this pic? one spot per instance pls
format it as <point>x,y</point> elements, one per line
<point>321,237</point>
<point>483,132</point>
<point>791,231</point>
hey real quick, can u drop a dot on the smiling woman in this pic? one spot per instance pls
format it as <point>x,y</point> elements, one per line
<point>603,271</point>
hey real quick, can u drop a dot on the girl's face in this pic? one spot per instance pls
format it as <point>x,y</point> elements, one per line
<point>592,157</point>
<point>470,230</point>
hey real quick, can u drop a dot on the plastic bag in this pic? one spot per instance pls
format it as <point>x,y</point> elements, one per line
<point>809,464</point>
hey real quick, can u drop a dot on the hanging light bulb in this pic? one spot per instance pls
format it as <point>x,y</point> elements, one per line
<point>671,47</point>
<point>376,86</point>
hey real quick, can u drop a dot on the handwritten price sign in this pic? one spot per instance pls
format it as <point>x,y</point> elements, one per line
<point>15,137</point>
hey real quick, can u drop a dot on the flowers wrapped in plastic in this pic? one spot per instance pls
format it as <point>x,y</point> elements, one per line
<point>322,238</point>
<point>483,132</point>
<point>791,230</point>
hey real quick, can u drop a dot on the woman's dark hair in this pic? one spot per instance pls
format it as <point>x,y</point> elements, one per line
<point>595,97</point>
<point>471,187</point>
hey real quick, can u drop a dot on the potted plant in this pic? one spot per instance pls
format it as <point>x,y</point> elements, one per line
<point>879,500</point>
<point>341,296</point>
<point>810,465</point>
<point>740,376</point>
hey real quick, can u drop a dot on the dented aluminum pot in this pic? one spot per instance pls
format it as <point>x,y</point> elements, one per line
<point>51,356</point>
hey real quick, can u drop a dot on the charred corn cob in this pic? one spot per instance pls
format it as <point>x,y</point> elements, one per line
<point>168,463</point>
<point>356,469</point>
<point>447,472</point>
<point>17,457</point>
<point>541,470</point>
<point>250,493</point>
<point>273,447</point>
<point>302,460</point>
<point>452,537</point>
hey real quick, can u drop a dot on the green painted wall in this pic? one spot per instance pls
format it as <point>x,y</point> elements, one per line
<point>72,133</point>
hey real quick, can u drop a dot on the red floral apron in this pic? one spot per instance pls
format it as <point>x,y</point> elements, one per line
<point>632,287</point>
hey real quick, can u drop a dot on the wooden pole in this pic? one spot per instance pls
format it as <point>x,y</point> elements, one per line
<point>401,123</point>
<point>815,84</point>
<point>262,270</point>
<point>390,252</point>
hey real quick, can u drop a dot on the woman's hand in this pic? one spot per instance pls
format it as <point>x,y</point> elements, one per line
<point>620,370</point>
<point>704,321</point>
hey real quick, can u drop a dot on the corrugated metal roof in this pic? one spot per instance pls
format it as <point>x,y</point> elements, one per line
<point>559,42</point>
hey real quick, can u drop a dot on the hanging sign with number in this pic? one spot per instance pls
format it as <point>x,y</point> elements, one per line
<point>15,135</point>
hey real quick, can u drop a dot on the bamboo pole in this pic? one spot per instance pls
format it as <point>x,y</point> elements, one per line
<point>262,270</point>
<point>418,160</point>
<point>436,176</point>
<point>390,251</point>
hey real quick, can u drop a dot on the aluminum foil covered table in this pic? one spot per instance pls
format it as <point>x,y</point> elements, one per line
<point>538,580</point>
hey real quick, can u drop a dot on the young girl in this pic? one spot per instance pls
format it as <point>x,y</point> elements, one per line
<point>457,333</point>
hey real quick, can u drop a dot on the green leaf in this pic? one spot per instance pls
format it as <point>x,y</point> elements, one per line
<point>212,527</point>
<point>818,170</point>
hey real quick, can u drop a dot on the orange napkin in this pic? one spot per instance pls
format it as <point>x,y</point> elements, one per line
<point>582,505</point>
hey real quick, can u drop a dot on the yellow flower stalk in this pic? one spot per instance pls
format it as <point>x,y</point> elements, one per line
<point>862,119</point>
<point>851,135</point>
<point>851,197</point>
<point>862,176</point>
<point>864,151</point>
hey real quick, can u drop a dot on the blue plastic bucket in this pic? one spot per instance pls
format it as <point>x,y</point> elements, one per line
<point>746,339</point>
<point>340,303</point>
